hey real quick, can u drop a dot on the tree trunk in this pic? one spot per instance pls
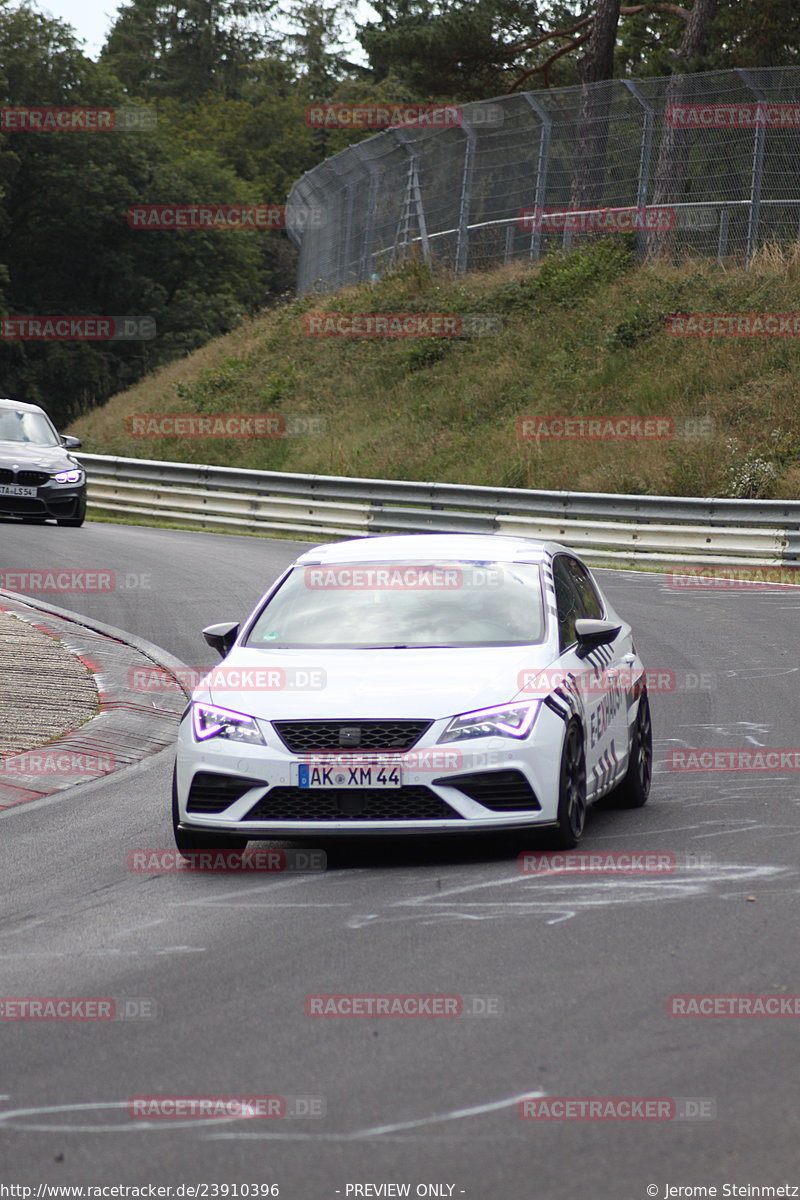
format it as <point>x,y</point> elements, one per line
<point>594,66</point>
<point>672,171</point>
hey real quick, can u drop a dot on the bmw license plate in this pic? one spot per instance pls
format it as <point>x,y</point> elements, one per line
<point>339,775</point>
<point>16,489</point>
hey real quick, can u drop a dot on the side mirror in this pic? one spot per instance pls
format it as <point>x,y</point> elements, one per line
<point>221,636</point>
<point>592,634</point>
<point>71,443</point>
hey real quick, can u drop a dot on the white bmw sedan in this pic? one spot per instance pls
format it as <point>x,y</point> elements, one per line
<point>415,684</point>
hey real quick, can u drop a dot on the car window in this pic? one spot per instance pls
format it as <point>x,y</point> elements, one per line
<point>590,601</point>
<point>31,427</point>
<point>404,604</point>
<point>568,602</point>
<point>576,597</point>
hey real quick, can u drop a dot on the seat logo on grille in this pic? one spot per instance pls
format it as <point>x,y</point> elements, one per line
<point>350,735</point>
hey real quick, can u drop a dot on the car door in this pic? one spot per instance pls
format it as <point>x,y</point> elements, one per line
<point>598,677</point>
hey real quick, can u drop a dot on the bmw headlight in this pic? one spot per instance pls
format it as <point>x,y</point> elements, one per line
<point>508,720</point>
<point>73,476</point>
<point>208,721</point>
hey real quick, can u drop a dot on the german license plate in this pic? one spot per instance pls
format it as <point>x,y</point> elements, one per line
<point>338,775</point>
<point>16,489</point>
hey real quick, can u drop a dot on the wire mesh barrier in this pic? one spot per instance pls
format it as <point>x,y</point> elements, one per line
<point>705,163</point>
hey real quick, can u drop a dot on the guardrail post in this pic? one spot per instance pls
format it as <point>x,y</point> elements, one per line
<point>462,244</point>
<point>644,163</point>
<point>541,172</point>
<point>757,172</point>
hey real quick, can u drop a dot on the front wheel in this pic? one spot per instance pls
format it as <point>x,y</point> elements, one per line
<point>571,791</point>
<point>187,840</point>
<point>634,789</point>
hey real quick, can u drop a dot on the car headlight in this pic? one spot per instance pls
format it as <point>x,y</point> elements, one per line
<point>73,476</point>
<point>508,720</point>
<point>208,721</point>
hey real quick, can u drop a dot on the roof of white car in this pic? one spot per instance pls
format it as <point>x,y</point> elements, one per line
<point>433,547</point>
<point>19,405</point>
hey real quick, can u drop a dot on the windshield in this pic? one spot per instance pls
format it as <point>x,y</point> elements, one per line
<point>31,427</point>
<point>404,605</point>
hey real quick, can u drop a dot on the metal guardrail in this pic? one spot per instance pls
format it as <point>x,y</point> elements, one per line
<point>601,526</point>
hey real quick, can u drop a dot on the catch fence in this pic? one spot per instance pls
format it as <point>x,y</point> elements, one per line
<point>706,163</point>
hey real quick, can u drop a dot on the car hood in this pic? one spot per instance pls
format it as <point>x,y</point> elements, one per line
<point>28,456</point>
<point>327,684</point>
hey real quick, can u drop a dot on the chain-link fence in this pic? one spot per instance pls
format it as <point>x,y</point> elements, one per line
<point>706,163</point>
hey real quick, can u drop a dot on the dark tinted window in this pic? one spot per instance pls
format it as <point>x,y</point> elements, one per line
<point>590,601</point>
<point>575,597</point>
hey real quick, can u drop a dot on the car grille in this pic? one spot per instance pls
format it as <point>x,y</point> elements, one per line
<point>303,737</point>
<point>500,791</point>
<point>24,478</point>
<point>211,793</point>
<point>413,803</point>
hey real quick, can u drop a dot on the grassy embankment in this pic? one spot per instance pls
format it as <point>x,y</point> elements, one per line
<point>582,334</point>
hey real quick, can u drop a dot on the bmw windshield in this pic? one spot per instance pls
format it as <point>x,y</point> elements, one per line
<point>403,605</point>
<point>30,428</point>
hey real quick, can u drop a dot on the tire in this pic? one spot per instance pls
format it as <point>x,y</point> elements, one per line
<point>76,521</point>
<point>187,840</point>
<point>633,790</point>
<point>571,791</point>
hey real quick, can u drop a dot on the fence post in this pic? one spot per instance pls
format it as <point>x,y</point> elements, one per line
<point>758,165</point>
<point>644,164</point>
<point>541,171</point>
<point>462,245</point>
<point>413,191</point>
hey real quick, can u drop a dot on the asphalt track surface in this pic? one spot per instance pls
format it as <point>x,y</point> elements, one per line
<point>581,967</point>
